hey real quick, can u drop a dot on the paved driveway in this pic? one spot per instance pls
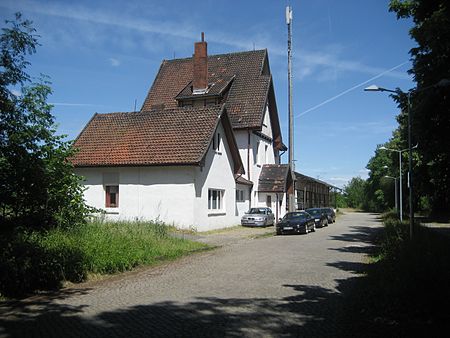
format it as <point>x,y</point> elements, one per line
<point>269,286</point>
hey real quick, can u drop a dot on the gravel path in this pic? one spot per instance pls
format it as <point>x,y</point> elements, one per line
<point>254,285</point>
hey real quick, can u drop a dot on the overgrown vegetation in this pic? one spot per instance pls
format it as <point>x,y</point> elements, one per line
<point>42,260</point>
<point>405,290</point>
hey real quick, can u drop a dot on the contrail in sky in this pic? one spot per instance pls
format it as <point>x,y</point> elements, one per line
<point>350,89</point>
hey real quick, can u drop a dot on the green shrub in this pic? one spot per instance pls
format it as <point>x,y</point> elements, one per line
<point>27,263</point>
<point>32,261</point>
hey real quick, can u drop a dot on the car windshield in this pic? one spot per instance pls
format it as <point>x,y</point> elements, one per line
<point>257,211</point>
<point>296,215</point>
<point>313,211</point>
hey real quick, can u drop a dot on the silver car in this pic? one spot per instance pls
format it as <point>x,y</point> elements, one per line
<point>258,217</point>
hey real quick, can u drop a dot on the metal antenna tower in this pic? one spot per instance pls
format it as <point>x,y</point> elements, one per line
<point>291,205</point>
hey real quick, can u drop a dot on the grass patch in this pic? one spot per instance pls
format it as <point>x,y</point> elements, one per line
<point>220,231</point>
<point>263,235</point>
<point>404,284</point>
<point>31,261</point>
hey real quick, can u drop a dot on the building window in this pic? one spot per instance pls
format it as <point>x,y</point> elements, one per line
<point>240,195</point>
<point>265,154</point>
<point>216,142</point>
<point>258,160</point>
<point>112,196</point>
<point>215,199</point>
<point>269,201</point>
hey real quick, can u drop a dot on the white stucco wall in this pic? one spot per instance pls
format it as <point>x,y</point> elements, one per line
<point>147,193</point>
<point>267,124</point>
<point>241,137</point>
<point>243,206</point>
<point>216,174</point>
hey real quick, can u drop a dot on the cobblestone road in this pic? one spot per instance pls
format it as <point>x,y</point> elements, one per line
<point>255,287</point>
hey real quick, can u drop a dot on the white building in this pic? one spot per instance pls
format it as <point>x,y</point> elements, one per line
<point>194,154</point>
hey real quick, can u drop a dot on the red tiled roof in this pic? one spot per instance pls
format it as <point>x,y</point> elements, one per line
<point>168,137</point>
<point>248,94</point>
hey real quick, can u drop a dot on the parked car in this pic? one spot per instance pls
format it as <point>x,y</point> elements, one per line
<point>258,217</point>
<point>296,222</point>
<point>330,214</point>
<point>320,217</point>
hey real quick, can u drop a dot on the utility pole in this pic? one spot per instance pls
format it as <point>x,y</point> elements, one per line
<point>291,193</point>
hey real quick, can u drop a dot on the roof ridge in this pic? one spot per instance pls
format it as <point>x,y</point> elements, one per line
<point>218,55</point>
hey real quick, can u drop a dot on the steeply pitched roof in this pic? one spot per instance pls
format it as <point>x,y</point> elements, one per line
<point>274,178</point>
<point>170,137</point>
<point>251,87</point>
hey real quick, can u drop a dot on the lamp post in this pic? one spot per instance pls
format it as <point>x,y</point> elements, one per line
<point>395,187</point>
<point>374,88</point>
<point>400,176</point>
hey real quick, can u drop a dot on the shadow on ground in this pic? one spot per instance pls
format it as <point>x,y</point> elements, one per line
<point>312,311</point>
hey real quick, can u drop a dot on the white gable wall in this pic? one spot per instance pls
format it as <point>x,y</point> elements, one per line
<point>257,154</point>
<point>217,174</point>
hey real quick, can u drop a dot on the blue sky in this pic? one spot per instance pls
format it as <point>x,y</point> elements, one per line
<point>102,56</point>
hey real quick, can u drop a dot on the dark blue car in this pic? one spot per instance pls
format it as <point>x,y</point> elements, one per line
<point>320,217</point>
<point>296,222</point>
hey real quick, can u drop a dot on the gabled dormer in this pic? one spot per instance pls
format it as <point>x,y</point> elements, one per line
<point>205,89</point>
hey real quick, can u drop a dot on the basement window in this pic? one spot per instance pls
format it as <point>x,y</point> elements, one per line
<point>112,196</point>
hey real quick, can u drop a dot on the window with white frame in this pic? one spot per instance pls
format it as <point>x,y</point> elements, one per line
<point>215,199</point>
<point>240,195</point>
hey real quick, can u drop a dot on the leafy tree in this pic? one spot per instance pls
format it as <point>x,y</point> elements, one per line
<point>341,202</point>
<point>430,113</point>
<point>37,184</point>
<point>355,192</point>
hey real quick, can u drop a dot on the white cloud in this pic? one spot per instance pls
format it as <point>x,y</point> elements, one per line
<point>114,62</point>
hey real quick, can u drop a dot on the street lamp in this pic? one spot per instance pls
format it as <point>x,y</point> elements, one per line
<point>375,88</point>
<point>400,176</point>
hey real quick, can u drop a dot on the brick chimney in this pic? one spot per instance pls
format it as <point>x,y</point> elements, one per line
<point>200,83</point>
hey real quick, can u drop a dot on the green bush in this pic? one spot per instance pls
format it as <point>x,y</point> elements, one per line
<point>27,263</point>
<point>38,260</point>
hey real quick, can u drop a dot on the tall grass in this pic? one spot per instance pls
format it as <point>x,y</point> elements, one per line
<point>40,260</point>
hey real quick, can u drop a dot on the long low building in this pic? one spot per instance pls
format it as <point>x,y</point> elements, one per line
<point>314,193</point>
